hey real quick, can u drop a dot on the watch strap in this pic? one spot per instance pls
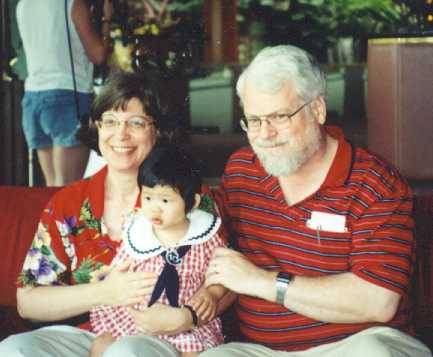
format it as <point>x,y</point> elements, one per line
<point>283,281</point>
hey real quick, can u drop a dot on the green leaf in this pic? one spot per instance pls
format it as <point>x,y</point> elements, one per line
<point>83,273</point>
<point>45,250</point>
<point>207,204</point>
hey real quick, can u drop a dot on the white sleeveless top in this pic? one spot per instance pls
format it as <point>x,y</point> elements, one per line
<point>42,26</point>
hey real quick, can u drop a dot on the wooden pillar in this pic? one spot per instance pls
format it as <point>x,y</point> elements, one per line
<point>221,31</point>
<point>4,36</point>
<point>13,149</point>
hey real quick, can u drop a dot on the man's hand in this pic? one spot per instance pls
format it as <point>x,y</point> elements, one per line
<point>100,344</point>
<point>231,269</point>
<point>126,288</point>
<point>160,319</point>
<point>204,304</point>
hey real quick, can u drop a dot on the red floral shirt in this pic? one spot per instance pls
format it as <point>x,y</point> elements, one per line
<point>71,245</point>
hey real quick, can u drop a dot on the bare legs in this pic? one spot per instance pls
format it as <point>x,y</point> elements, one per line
<point>63,165</point>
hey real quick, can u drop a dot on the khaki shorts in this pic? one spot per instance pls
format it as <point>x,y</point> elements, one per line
<point>373,342</point>
<point>68,341</point>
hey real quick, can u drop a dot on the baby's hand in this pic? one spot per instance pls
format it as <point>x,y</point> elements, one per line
<point>204,304</point>
<point>100,344</point>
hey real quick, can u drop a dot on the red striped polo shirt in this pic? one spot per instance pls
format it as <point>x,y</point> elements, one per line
<point>378,245</point>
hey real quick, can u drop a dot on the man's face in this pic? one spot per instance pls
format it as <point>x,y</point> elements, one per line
<point>283,148</point>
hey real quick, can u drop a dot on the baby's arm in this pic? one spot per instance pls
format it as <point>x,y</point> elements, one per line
<point>205,301</point>
<point>100,344</point>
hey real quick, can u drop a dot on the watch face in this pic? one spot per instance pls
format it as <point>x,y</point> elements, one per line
<point>285,277</point>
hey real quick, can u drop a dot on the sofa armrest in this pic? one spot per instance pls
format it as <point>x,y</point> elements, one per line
<point>20,209</point>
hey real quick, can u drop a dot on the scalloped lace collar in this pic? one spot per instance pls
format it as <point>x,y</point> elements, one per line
<point>141,243</point>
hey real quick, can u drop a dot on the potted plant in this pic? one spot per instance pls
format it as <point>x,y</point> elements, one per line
<point>326,22</point>
<point>415,15</point>
<point>160,35</point>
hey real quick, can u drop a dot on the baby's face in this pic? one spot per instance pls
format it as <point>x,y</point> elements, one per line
<point>163,206</point>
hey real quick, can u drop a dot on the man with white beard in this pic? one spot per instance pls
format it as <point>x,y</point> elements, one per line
<point>323,230</point>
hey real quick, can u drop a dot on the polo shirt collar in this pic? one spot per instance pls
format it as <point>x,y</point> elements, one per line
<point>342,163</point>
<point>141,243</point>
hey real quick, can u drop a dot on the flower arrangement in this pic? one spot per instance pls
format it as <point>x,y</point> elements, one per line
<point>152,35</point>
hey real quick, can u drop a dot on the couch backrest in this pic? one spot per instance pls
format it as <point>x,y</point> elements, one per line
<point>20,208</point>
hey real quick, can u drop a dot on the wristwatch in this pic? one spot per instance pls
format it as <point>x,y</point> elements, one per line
<point>283,281</point>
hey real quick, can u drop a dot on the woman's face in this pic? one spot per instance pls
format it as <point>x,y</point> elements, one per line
<point>126,137</point>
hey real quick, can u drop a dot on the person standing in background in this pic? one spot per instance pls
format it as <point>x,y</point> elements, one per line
<point>50,110</point>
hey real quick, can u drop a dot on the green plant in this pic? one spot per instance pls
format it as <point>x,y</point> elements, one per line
<point>340,18</point>
<point>367,16</point>
<point>161,35</point>
<point>318,24</point>
<point>415,15</point>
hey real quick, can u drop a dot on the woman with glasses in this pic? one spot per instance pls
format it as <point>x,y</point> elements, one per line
<point>65,272</point>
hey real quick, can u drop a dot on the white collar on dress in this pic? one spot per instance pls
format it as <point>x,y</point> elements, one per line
<point>140,242</point>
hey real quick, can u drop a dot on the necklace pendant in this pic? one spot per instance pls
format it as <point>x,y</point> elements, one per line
<point>172,257</point>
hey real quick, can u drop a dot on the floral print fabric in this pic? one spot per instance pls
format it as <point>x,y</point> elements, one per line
<point>70,245</point>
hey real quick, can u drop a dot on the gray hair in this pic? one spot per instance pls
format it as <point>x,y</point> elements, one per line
<point>274,67</point>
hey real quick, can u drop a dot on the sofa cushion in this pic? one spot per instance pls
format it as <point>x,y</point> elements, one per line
<point>20,208</point>
<point>11,322</point>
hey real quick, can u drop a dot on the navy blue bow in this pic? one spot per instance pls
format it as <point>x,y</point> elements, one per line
<point>169,278</point>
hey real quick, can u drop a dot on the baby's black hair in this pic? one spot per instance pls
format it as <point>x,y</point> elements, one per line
<point>170,165</point>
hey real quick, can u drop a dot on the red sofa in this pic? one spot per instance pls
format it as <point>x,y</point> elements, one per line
<point>20,208</point>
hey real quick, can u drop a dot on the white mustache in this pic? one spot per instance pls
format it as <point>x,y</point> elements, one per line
<point>269,143</point>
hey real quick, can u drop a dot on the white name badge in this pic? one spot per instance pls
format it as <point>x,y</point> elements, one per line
<point>322,221</point>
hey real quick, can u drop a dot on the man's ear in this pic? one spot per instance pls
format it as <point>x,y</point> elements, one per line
<point>197,200</point>
<point>319,109</point>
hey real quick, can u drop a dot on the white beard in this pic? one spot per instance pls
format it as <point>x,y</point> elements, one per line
<point>295,154</point>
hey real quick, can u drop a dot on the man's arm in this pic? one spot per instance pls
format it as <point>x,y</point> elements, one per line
<point>344,298</point>
<point>338,298</point>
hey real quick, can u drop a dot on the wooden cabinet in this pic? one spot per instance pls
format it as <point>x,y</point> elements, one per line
<point>399,103</point>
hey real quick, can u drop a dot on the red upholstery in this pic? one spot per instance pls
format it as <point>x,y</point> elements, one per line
<point>20,208</point>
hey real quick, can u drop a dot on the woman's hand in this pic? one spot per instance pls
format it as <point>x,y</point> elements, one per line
<point>160,319</point>
<point>121,287</point>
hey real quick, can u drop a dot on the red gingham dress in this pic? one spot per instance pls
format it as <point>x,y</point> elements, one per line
<point>142,246</point>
